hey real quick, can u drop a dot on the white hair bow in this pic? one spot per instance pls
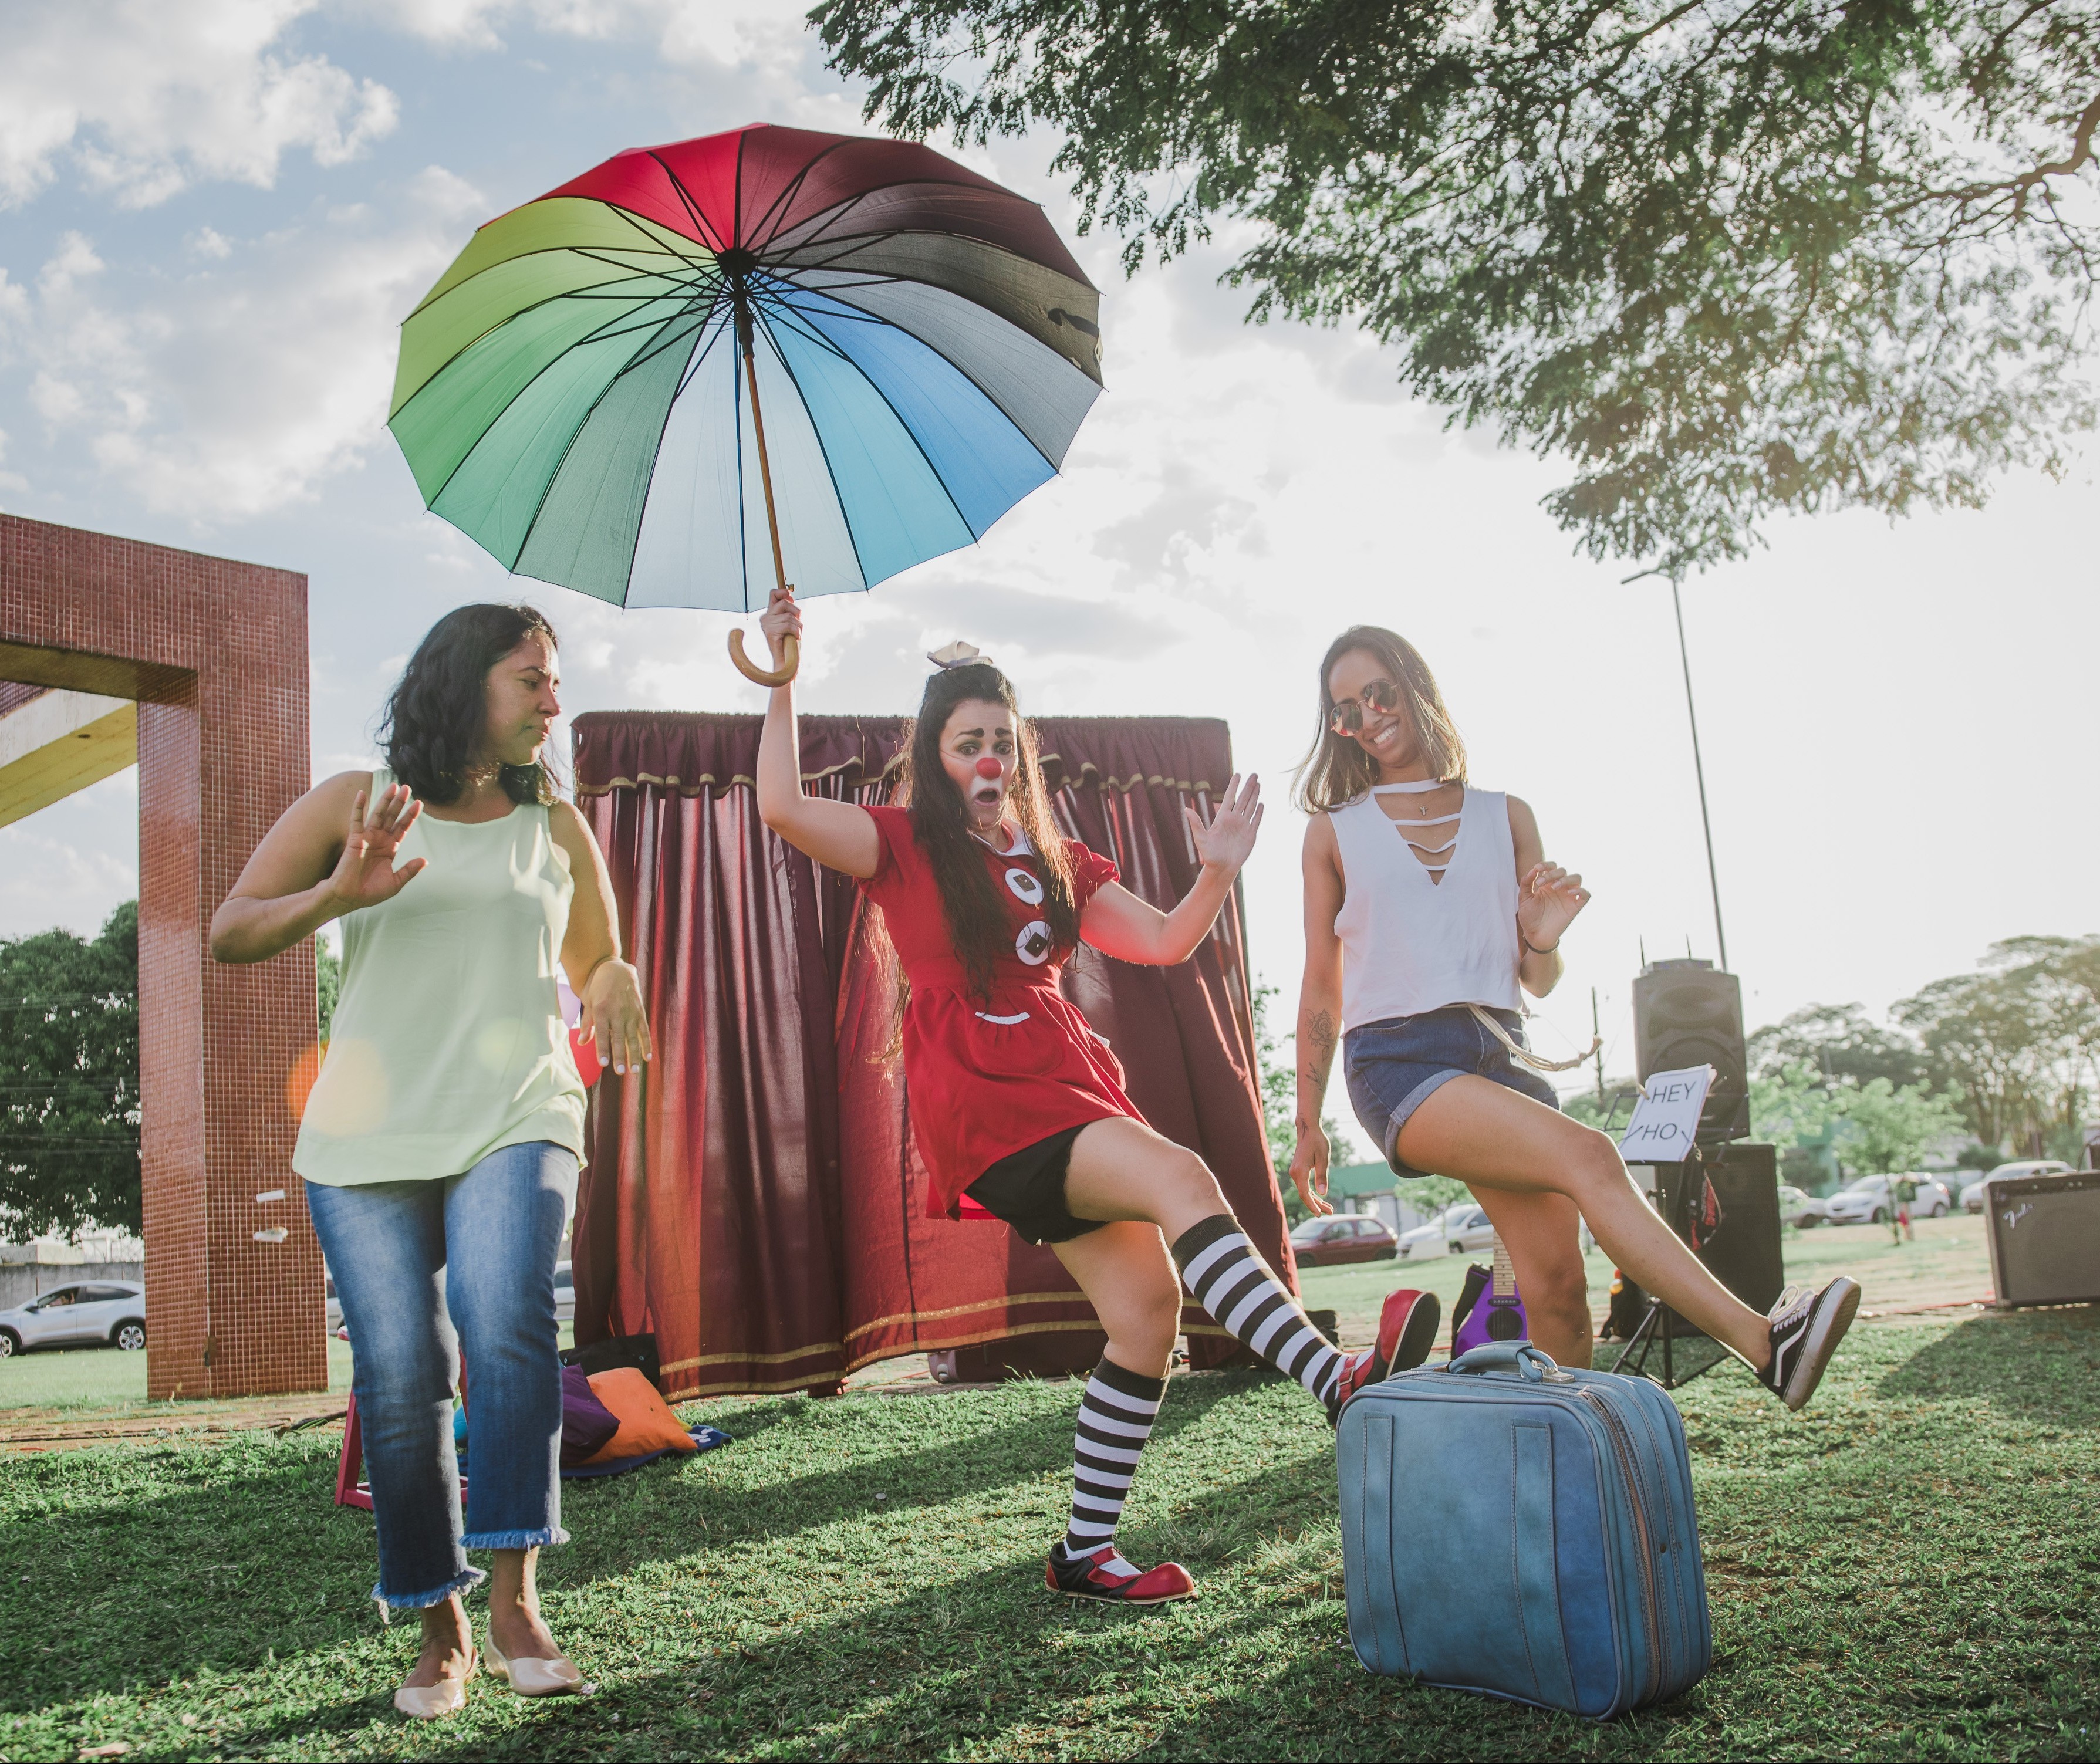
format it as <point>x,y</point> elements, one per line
<point>957,655</point>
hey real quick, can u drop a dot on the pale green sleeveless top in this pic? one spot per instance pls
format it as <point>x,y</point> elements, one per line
<point>447,1042</point>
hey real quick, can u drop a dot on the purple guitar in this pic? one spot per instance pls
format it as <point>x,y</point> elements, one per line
<point>1496,1314</point>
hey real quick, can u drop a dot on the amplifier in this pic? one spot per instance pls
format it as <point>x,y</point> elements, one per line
<point>2044,1238</point>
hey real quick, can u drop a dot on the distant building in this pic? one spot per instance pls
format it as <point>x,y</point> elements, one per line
<point>1373,1189</point>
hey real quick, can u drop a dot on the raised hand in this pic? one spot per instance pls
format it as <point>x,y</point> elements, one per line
<point>614,1016</point>
<point>782,619</point>
<point>364,875</point>
<point>1228,841</point>
<point>1547,900</point>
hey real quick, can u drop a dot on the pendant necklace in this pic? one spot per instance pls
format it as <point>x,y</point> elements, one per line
<point>1412,787</point>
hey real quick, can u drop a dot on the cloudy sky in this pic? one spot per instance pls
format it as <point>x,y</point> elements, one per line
<point>213,214</point>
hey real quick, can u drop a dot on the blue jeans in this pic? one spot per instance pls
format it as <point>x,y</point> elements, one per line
<point>482,1245</point>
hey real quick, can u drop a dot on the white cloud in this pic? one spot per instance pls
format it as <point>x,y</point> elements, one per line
<point>232,389</point>
<point>145,97</point>
<point>726,33</point>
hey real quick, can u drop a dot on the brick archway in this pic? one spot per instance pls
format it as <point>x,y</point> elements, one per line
<point>213,653</point>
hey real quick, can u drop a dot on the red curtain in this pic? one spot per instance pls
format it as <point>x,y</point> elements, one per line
<point>753,1198</point>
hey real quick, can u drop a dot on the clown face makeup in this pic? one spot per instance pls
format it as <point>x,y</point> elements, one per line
<point>978,750</point>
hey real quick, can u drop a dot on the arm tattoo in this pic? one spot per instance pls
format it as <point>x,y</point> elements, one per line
<point>1317,1060</point>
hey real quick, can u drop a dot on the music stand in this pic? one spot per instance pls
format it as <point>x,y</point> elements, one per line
<point>1662,1326</point>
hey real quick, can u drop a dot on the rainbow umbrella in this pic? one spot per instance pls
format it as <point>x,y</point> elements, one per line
<point>904,349</point>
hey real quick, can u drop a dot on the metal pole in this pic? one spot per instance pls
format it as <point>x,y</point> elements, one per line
<point>1597,1036</point>
<point>1698,766</point>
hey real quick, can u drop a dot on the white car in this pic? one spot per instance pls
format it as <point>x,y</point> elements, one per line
<point>1466,1229</point>
<point>1798,1208</point>
<point>1972,1197</point>
<point>1426,1239</point>
<point>1867,1199</point>
<point>93,1314</point>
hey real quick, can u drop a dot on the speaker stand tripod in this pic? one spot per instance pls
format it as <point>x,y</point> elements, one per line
<point>1663,1327</point>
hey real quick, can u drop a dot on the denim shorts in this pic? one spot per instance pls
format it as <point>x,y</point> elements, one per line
<point>1393,1067</point>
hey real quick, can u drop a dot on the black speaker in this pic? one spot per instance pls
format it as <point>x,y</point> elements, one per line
<point>1724,1202</point>
<point>1736,1230</point>
<point>2044,1238</point>
<point>1689,1013</point>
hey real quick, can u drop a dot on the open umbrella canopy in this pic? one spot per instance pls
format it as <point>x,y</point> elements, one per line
<point>572,393</point>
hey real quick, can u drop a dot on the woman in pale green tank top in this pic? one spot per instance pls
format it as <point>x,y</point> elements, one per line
<point>441,1140</point>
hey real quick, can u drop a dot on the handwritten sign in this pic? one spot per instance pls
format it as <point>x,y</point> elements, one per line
<point>1666,1119</point>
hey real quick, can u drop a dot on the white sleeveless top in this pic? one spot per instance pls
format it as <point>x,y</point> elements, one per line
<point>448,1041</point>
<point>1410,943</point>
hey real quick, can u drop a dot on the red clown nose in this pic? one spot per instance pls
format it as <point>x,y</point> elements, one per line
<point>988,767</point>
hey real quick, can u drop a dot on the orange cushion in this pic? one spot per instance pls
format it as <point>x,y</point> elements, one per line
<point>646,1423</point>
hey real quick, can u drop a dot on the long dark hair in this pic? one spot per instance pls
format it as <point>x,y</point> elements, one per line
<point>970,899</point>
<point>436,717</point>
<point>1338,771</point>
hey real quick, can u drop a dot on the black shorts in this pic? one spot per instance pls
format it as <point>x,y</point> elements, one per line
<point>1026,1189</point>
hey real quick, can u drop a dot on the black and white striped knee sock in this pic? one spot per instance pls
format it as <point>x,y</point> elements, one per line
<point>1226,1276</point>
<point>1115,1420</point>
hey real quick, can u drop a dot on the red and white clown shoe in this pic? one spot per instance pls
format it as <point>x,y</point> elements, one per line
<point>1102,1574</point>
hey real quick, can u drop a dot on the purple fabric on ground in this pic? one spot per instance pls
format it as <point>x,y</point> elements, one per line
<point>587,1424</point>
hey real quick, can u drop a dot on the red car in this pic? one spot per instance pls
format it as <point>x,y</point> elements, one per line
<point>1345,1238</point>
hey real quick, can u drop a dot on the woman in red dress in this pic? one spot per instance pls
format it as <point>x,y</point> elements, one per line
<point>1019,1105</point>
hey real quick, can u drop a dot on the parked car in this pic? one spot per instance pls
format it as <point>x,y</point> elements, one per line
<point>1467,1230</point>
<point>565,1293</point>
<point>95,1313</point>
<point>1316,1243</point>
<point>1426,1239</point>
<point>1867,1199</point>
<point>1972,1197</point>
<point>1800,1209</point>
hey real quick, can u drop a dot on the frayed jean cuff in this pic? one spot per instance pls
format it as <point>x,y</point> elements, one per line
<point>463,1581</point>
<point>514,1540</point>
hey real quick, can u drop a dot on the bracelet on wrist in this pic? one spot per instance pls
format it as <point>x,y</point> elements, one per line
<point>1534,949</point>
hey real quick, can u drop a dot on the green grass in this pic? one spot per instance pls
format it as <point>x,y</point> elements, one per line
<point>104,1379</point>
<point>1908,1570</point>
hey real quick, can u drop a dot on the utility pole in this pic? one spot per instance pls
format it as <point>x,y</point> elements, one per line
<point>1597,1037</point>
<point>1698,766</point>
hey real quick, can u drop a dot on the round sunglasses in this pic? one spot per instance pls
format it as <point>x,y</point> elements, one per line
<point>1381,698</point>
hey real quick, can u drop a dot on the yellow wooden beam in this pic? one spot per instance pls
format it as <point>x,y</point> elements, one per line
<point>60,742</point>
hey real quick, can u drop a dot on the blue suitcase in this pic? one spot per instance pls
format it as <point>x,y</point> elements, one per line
<point>1513,1527</point>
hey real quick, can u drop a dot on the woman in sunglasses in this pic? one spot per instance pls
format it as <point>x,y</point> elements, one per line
<point>1428,904</point>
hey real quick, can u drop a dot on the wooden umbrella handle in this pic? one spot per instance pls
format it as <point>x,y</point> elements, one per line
<point>791,660</point>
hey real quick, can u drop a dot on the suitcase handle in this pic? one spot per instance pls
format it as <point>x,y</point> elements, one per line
<point>1534,1363</point>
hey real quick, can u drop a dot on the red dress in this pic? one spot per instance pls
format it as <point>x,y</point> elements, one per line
<point>989,1077</point>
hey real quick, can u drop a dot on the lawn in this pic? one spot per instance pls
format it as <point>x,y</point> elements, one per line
<point>1909,1569</point>
<point>104,1379</point>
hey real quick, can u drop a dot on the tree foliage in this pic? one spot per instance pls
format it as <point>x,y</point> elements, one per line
<point>2019,1037</point>
<point>1838,1042</point>
<point>1726,258</point>
<point>69,1132</point>
<point>1873,1127</point>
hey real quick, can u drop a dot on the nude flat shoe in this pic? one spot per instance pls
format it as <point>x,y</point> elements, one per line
<point>429,1702</point>
<point>558,1677</point>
